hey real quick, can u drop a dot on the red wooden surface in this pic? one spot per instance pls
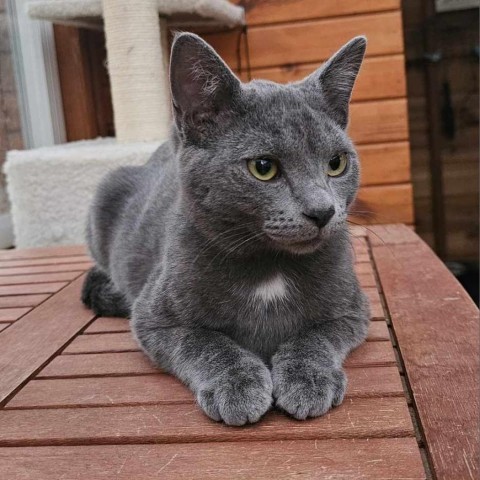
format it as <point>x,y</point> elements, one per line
<point>81,400</point>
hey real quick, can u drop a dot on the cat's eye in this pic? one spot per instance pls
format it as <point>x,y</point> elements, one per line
<point>337,165</point>
<point>263,168</point>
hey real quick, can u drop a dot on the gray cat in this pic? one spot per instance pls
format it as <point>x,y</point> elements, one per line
<point>230,249</point>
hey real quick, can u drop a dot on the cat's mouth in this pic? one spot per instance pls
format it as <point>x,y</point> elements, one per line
<point>297,245</point>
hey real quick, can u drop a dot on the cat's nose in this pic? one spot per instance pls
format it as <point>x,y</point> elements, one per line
<point>321,216</point>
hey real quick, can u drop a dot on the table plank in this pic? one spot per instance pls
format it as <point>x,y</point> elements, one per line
<point>436,325</point>
<point>43,252</point>
<point>346,459</point>
<point>38,278</point>
<point>122,340</point>
<point>355,418</point>
<point>136,363</point>
<point>29,270</point>
<point>28,262</point>
<point>31,341</point>
<point>54,287</point>
<point>162,388</point>
<point>12,314</point>
<point>15,301</point>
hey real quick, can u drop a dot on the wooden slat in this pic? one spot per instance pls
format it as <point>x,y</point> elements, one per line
<point>261,12</point>
<point>366,280</point>
<point>436,325</point>
<point>372,354</point>
<point>136,363</point>
<point>3,326</point>
<point>384,163</point>
<point>38,278</point>
<point>356,418</point>
<point>12,314</point>
<point>6,290</point>
<point>379,121</point>
<point>381,204</point>
<point>32,340</point>
<point>22,301</point>
<point>103,342</point>
<point>109,325</point>
<point>376,308</point>
<point>123,341</point>
<point>314,40</point>
<point>348,459</point>
<point>43,252</point>
<point>379,78</point>
<point>30,262</point>
<point>378,331</point>
<point>40,269</point>
<point>161,388</point>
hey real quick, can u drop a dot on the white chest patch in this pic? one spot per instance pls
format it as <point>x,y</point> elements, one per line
<point>275,288</point>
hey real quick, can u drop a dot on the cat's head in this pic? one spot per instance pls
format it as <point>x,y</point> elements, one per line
<point>262,163</point>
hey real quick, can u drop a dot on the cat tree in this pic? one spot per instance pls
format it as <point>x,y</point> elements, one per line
<point>50,188</point>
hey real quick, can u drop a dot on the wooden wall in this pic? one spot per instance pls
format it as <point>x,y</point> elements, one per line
<point>455,34</point>
<point>286,40</point>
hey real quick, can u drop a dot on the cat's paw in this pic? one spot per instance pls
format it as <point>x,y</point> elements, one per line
<point>304,390</point>
<point>238,396</point>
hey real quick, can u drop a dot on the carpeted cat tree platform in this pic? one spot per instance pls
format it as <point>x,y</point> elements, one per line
<point>50,188</point>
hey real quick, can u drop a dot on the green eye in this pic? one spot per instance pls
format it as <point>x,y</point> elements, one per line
<point>337,165</point>
<point>263,168</point>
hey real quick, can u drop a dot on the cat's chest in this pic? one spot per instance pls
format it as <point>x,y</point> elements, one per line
<point>265,313</point>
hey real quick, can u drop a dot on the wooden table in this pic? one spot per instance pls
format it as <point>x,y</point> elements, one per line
<point>79,400</point>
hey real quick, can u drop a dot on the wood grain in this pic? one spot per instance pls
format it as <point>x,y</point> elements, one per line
<point>314,40</point>
<point>384,163</point>
<point>108,325</point>
<point>355,418</point>
<point>32,288</point>
<point>22,300</point>
<point>348,459</point>
<point>383,204</point>
<point>38,278</point>
<point>436,326</point>
<point>40,269</point>
<point>162,388</point>
<point>261,12</point>
<point>136,363</point>
<point>12,314</point>
<point>32,340</point>
<point>122,340</point>
<point>30,262</point>
<point>43,252</point>
<point>380,77</point>
<point>379,121</point>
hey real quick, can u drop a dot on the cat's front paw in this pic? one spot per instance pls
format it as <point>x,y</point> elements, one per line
<point>238,396</point>
<point>304,390</point>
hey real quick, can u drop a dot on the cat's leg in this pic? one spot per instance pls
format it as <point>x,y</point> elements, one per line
<point>100,295</point>
<point>230,383</point>
<point>307,373</point>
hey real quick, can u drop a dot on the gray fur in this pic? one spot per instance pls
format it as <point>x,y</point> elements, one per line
<point>188,242</point>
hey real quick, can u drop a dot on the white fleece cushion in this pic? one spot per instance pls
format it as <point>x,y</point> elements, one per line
<point>51,188</point>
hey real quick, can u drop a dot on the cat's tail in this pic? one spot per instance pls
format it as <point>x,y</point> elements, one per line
<point>100,294</point>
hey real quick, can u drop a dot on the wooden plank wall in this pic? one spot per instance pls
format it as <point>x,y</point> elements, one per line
<point>456,36</point>
<point>288,39</point>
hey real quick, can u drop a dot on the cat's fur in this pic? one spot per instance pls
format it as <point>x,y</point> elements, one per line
<point>233,284</point>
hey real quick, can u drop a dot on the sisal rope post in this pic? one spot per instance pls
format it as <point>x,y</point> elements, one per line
<point>137,49</point>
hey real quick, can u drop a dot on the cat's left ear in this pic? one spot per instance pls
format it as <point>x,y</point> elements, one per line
<point>204,90</point>
<point>336,78</point>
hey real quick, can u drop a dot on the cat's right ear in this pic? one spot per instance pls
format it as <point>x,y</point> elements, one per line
<point>204,90</point>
